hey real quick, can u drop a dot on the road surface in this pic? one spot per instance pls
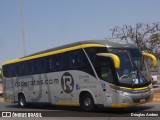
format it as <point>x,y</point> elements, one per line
<point>72,113</point>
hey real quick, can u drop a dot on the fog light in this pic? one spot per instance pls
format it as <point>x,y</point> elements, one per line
<point>124,93</point>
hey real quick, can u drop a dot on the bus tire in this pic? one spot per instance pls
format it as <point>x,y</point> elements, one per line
<point>87,103</point>
<point>22,101</point>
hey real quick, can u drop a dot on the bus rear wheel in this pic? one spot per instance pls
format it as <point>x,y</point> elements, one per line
<point>22,101</point>
<point>87,103</point>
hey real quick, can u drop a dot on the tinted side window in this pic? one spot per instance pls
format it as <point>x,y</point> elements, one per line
<point>75,60</point>
<point>33,67</point>
<point>46,65</point>
<point>6,71</point>
<point>23,69</point>
<point>26,70</point>
<point>78,61</point>
<point>18,69</point>
<point>56,63</point>
<point>91,52</point>
<point>105,69</point>
<point>9,71</point>
<point>106,72</point>
<point>39,63</point>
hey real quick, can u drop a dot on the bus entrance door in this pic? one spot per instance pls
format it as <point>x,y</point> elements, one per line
<point>109,95</point>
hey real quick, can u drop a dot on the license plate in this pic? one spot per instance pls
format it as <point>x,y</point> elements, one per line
<point>142,100</point>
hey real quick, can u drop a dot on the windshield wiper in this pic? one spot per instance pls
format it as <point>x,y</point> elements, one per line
<point>139,73</point>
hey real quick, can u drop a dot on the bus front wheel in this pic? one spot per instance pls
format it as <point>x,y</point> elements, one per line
<point>87,103</point>
<point>22,101</point>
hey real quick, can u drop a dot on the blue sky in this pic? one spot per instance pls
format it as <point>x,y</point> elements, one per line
<point>51,23</point>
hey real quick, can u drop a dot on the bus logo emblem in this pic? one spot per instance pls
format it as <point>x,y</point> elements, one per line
<point>67,82</point>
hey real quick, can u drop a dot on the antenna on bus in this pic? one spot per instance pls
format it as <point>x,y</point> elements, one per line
<point>22,30</point>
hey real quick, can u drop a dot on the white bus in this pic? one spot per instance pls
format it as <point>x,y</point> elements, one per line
<point>90,74</point>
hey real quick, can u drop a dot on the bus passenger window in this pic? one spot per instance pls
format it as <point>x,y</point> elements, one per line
<point>61,63</point>
<point>27,71</point>
<point>16,69</point>
<point>13,71</point>
<point>106,73</point>
<point>5,71</point>
<point>47,65</point>
<point>57,63</point>
<point>38,66</point>
<point>33,67</point>
<point>76,60</point>
<point>9,71</point>
<point>51,64</point>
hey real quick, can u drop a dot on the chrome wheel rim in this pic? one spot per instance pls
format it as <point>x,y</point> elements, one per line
<point>87,102</point>
<point>21,102</point>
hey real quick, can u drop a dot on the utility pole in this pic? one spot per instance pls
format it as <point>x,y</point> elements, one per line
<point>22,30</point>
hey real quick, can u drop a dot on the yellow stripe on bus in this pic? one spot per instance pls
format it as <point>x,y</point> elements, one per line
<point>53,52</point>
<point>141,88</point>
<point>127,88</point>
<point>7,100</point>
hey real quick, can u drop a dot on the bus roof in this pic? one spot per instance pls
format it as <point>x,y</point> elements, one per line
<point>72,46</point>
<point>105,43</point>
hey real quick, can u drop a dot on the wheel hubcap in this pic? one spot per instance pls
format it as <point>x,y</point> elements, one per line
<point>21,102</point>
<point>87,102</point>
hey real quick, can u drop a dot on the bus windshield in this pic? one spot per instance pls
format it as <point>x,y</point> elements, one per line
<point>132,72</point>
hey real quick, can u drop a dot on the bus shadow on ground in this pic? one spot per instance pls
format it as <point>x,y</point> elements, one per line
<point>61,111</point>
<point>48,107</point>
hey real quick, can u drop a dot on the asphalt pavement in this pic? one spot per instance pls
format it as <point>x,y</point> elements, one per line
<point>75,113</point>
<point>71,113</point>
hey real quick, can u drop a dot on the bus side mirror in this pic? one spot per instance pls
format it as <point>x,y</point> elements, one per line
<point>114,57</point>
<point>154,60</point>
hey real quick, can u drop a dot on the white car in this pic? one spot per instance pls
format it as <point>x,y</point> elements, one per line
<point>154,79</point>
